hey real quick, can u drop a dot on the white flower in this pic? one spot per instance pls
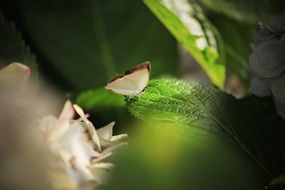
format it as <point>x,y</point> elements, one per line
<point>13,79</point>
<point>71,154</point>
<point>15,74</point>
<point>80,148</point>
<point>267,65</point>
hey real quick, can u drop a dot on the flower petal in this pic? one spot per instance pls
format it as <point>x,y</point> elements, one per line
<point>119,137</point>
<point>260,86</point>
<point>63,122</point>
<point>278,89</point>
<point>14,77</point>
<point>91,128</point>
<point>106,132</point>
<point>15,72</point>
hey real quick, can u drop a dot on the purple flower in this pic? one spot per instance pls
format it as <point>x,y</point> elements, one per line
<point>267,65</point>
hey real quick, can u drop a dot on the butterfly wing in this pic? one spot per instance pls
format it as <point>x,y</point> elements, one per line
<point>131,84</point>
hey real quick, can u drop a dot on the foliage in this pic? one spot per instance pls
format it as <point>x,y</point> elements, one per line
<point>99,98</point>
<point>237,37</point>
<point>183,135</point>
<point>192,29</point>
<point>86,46</point>
<point>246,11</point>
<point>196,106</point>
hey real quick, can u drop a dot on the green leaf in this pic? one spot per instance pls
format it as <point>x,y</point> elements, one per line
<point>88,42</point>
<point>244,122</point>
<point>13,48</point>
<point>250,11</point>
<point>104,106</point>
<point>98,99</point>
<point>237,38</point>
<point>192,29</point>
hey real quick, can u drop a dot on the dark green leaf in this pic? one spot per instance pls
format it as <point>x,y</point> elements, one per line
<point>246,123</point>
<point>237,38</point>
<point>88,42</point>
<point>98,99</point>
<point>250,11</point>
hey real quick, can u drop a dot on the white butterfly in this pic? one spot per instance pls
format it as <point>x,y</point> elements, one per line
<point>133,82</point>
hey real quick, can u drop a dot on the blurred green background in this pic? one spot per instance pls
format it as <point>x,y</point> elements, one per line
<point>77,46</point>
